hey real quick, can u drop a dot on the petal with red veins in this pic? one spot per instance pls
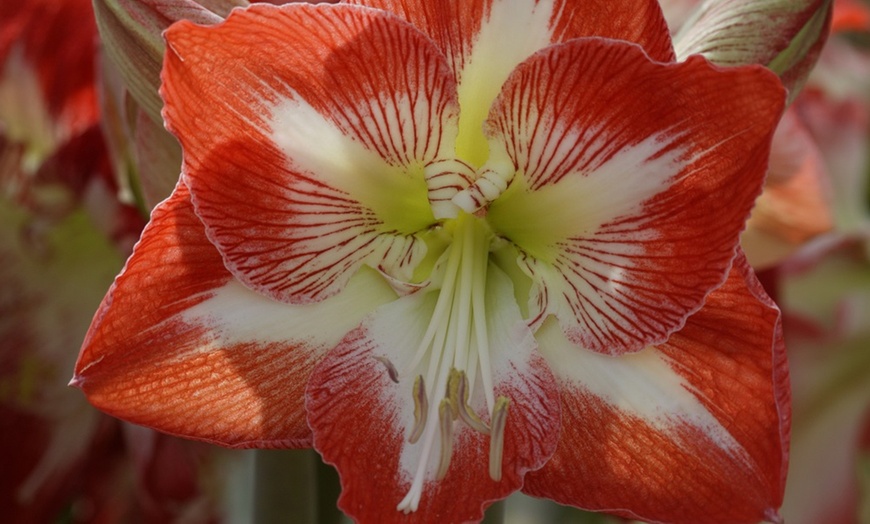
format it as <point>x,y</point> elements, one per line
<point>180,346</point>
<point>458,28</point>
<point>647,172</point>
<point>695,430</point>
<point>485,40</point>
<point>362,419</point>
<point>311,153</point>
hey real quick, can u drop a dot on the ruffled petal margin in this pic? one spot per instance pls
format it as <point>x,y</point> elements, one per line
<point>696,430</point>
<point>180,346</point>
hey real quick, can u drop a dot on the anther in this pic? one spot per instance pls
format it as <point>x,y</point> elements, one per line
<point>445,416</point>
<point>453,391</point>
<point>421,409</point>
<point>465,412</point>
<point>391,369</point>
<point>496,440</point>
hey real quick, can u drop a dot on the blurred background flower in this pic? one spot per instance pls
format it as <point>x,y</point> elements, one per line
<point>65,230</point>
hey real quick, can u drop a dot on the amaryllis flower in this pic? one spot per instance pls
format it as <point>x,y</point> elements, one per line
<point>461,249</point>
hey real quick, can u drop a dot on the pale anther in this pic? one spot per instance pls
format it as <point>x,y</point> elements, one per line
<point>453,391</point>
<point>496,440</point>
<point>465,412</point>
<point>445,416</point>
<point>391,369</point>
<point>421,409</point>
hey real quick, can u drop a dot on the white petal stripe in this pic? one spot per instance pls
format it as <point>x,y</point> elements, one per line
<point>642,384</point>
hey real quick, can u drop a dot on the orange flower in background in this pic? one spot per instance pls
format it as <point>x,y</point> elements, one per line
<point>824,291</point>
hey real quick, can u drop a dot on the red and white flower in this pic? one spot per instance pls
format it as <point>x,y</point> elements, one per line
<point>461,249</point>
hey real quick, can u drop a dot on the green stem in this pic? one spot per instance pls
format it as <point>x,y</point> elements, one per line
<point>495,514</point>
<point>328,490</point>
<point>285,489</point>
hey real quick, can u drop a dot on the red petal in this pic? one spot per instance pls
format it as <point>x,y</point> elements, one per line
<point>485,40</point>
<point>731,360</point>
<point>456,26</point>
<point>295,152</point>
<point>178,345</point>
<point>361,419</point>
<point>647,171</point>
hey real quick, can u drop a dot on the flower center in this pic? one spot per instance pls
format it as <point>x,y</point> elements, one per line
<point>457,348</point>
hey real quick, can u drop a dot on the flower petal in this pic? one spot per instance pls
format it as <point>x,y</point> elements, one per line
<point>362,419</point>
<point>647,173</point>
<point>180,346</point>
<point>796,203</point>
<point>695,430</point>
<point>841,129</point>
<point>485,40</point>
<point>464,30</point>
<point>306,157</point>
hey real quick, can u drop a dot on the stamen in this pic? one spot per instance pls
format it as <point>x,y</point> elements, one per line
<point>456,346</point>
<point>463,298</point>
<point>445,415</point>
<point>442,310</point>
<point>478,304</point>
<point>391,369</point>
<point>465,412</point>
<point>421,409</point>
<point>453,391</point>
<point>496,440</point>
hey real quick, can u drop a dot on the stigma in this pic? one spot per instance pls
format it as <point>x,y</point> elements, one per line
<point>451,360</point>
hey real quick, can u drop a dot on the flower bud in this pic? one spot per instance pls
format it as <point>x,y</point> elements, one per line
<point>131,32</point>
<point>784,35</point>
